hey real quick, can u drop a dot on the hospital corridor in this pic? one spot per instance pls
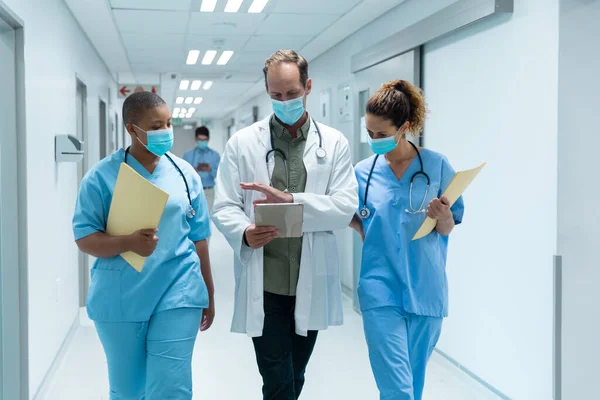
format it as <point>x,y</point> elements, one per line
<point>315,199</point>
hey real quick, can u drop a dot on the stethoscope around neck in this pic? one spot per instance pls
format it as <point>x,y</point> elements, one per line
<point>191,213</point>
<point>320,152</point>
<point>365,212</point>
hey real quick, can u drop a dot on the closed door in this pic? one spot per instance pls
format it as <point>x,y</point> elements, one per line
<point>368,82</point>
<point>81,115</point>
<point>9,224</point>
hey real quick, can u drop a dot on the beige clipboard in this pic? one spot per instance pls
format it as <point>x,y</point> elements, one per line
<point>287,218</point>
<point>136,204</point>
<point>458,185</point>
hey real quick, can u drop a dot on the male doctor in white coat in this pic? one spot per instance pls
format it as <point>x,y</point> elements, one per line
<point>285,289</point>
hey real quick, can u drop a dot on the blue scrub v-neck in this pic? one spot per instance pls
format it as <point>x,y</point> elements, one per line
<point>386,169</point>
<point>140,169</point>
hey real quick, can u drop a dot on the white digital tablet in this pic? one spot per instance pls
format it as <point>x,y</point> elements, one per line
<point>287,218</point>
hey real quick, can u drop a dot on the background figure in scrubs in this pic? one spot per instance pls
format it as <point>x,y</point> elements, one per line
<point>402,290</point>
<point>148,322</point>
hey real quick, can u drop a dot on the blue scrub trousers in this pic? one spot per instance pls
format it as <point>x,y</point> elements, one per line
<point>151,360</point>
<point>399,348</point>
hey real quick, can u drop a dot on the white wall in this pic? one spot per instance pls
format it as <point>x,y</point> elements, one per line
<point>492,91</point>
<point>56,50</point>
<point>332,69</point>
<point>578,216</point>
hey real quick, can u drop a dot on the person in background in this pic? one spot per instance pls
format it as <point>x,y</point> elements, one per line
<point>206,162</point>
<point>148,321</point>
<point>403,291</point>
<point>286,289</point>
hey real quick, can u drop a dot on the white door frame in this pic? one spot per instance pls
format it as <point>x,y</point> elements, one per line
<point>13,231</point>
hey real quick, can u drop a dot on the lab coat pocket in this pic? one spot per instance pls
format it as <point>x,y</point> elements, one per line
<point>104,296</point>
<point>326,254</point>
<point>323,174</point>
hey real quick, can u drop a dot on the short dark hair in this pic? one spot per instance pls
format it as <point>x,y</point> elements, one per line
<point>287,56</point>
<point>135,105</point>
<point>202,131</point>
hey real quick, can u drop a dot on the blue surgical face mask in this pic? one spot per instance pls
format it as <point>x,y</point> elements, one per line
<point>384,145</point>
<point>289,112</point>
<point>202,144</point>
<point>160,141</point>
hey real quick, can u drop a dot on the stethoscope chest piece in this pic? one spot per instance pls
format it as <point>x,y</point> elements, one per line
<point>191,212</point>
<point>364,212</point>
<point>321,153</point>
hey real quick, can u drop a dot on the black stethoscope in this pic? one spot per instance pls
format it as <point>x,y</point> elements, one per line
<point>191,213</point>
<point>320,153</point>
<point>365,212</point>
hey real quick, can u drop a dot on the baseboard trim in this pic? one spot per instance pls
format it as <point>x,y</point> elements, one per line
<point>46,384</point>
<point>472,375</point>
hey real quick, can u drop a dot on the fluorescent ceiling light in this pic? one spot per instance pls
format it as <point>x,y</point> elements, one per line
<point>233,6</point>
<point>207,85</point>
<point>208,5</point>
<point>225,57</point>
<point>176,110</point>
<point>184,85</point>
<point>183,111</point>
<point>196,85</point>
<point>189,116</point>
<point>192,110</point>
<point>209,57</point>
<point>198,100</point>
<point>179,100</point>
<point>189,100</point>
<point>257,6</point>
<point>192,57</point>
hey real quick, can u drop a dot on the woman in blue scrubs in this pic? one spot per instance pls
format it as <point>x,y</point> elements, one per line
<point>402,290</point>
<point>148,321</point>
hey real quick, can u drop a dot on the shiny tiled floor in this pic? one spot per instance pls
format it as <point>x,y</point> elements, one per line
<point>224,367</point>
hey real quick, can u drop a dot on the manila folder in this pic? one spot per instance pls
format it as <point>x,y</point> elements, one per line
<point>136,204</point>
<point>457,186</point>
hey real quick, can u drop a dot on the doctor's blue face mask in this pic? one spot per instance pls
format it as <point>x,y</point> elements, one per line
<point>289,112</point>
<point>159,141</point>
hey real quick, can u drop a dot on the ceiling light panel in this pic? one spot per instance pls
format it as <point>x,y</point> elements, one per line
<point>184,85</point>
<point>208,5</point>
<point>207,85</point>
<point>257,6</point>
<point>233,6</point>
<point>209,57</point>
<point>189,100</point>
<point>179,100</point>
<point>225,57</point>
<point>196,85</point>
<point>198,100</point>
<point>193,57</point>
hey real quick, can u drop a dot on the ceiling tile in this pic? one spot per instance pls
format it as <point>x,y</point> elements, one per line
<point>216,24</point>
<point>301,24</point>
<point>203,43</point>
<point>151,22</point>
<point>337,7</point>
<point>170,5</point>
<point>152,41</point>
<point>271,44</point>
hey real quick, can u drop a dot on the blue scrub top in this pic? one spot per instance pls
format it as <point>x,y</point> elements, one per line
<point>396,271</point>
<point>171,277</point>
<point>196,156</point>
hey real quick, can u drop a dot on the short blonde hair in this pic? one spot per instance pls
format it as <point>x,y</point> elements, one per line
<point>287,56</point>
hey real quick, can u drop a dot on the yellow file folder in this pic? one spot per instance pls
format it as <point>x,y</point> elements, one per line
<point>457,186</point>
<point>136,204</point>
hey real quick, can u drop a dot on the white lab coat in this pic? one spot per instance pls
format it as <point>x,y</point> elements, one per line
<point>330,200</point>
